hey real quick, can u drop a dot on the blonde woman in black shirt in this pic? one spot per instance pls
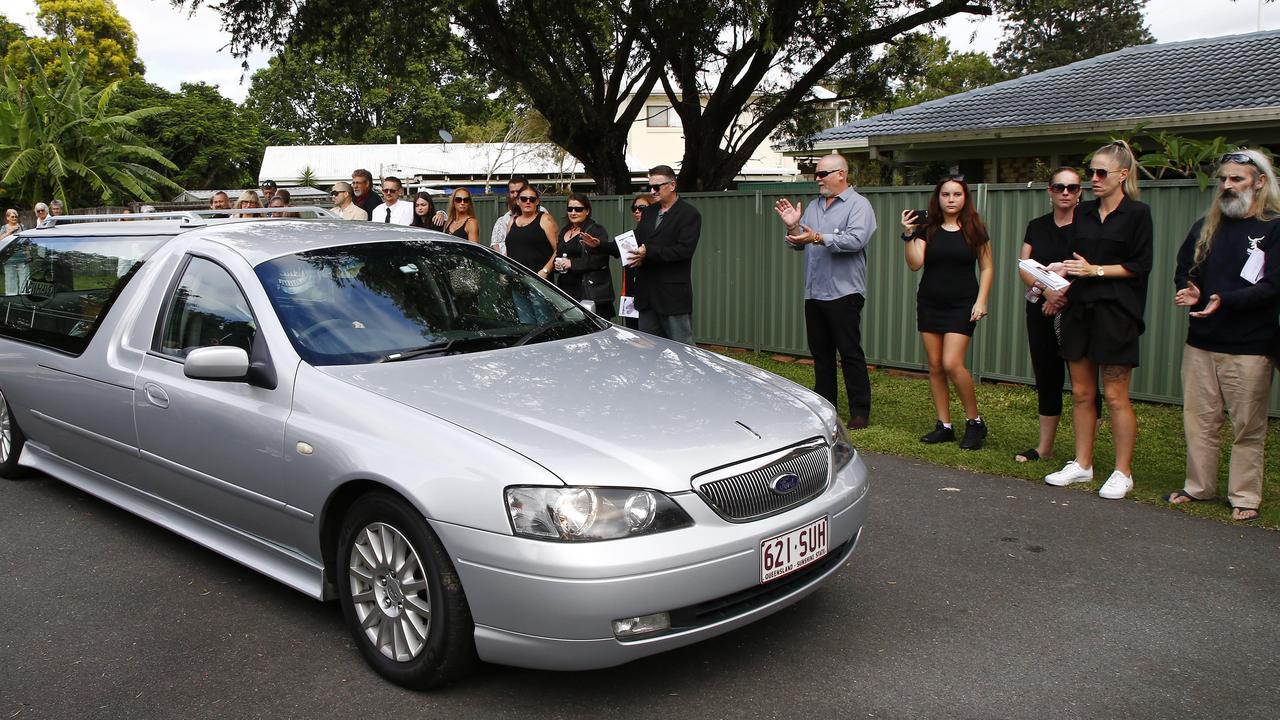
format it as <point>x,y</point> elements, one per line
<point>1103,318</point>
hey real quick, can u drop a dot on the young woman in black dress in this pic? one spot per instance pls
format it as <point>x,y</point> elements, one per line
<point>950,300</point>
<point>582,257</point>
<point>531,239</point>
<point>1103,318</point>
<point>462,221</point>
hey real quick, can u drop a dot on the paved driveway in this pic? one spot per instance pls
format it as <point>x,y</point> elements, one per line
<point>972,596</point>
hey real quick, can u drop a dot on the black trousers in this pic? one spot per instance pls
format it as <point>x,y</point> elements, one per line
<point>1047,363</point>
<point>836,326</point>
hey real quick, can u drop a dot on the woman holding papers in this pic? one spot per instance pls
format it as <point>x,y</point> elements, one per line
<point>582,257</point>
<point>1102,320</point>
<point>1048,240</point>
<point>950,300</point>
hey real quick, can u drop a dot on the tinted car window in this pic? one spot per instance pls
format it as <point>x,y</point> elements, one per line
<point>207,309</point>
<point>387,301</point>
<point>55,290</point>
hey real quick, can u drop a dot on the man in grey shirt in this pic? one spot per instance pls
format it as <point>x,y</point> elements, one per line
<point>833,234</point>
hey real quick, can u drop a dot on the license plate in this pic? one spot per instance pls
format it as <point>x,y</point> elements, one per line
<point>792,550</point>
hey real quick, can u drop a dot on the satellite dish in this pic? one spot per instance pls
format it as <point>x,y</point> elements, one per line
<point>446,136</point>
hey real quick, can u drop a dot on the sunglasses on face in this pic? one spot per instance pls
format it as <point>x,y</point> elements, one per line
<point>336,193</point>
<point>638,208</point>
<point>528,198</point>
<point>822,174</point>
<point>575,208</point>
<point>462,200</point>
<point>390,190</point>
<point>1102,173</point>
<point>658,186</point>
<point>1072,188</point>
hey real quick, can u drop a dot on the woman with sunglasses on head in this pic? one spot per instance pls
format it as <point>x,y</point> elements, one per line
<point>950,300</point>
<point>1048,240</point>
<point>1103,318</point>
<point>424,209</point>
<point>531,239</point>
<point>582,257</point>
<point>462,221</point>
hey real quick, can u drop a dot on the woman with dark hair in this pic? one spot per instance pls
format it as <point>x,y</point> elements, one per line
<point>950,300</point>
<point>582,257</point>
<point>462,221</point>
<point>1048,240</point>
<point>531,238</point>
<point>423,210</point>
<point>1101,323</point>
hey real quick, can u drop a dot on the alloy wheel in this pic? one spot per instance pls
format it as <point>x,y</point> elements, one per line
<point>389,592</point>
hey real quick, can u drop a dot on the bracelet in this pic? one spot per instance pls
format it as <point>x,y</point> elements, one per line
<point>907,238</point>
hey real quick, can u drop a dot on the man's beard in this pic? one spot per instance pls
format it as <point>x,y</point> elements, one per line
<point>1235,205</point>
<point>824,192</point>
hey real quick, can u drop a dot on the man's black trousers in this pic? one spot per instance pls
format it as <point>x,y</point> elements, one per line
<point>836,326</point>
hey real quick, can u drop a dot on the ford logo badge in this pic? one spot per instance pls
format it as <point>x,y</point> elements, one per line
<point>784,483</point>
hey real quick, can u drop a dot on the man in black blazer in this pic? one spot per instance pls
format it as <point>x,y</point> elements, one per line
<point>667,237</point>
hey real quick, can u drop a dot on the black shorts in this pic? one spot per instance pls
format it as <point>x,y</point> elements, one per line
<point>1101,332</point>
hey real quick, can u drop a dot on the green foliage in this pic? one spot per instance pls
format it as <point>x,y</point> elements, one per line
<point>1177,156</point>
<point>927,70</point>
<point>92,27</point>
<point>1044,34</point>
<point>10,32</point>
<point>64,141</point>
<point>306,178</point>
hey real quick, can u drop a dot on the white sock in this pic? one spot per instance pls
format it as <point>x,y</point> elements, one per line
<point>947,425</point>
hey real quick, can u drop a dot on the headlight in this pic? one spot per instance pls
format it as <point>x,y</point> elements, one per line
<point>590,513</point>
<point>841,449</point>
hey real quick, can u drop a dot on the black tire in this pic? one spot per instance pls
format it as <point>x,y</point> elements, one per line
<point>447,651</point>
<point>11,437</point>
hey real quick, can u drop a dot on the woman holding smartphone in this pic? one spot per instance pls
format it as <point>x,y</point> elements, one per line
<point>950,301</point>
<point>1103,318</point>
<point>582,257</point>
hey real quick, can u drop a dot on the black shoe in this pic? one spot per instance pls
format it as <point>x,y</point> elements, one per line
<point>941,433</point>
<point>975,433</point>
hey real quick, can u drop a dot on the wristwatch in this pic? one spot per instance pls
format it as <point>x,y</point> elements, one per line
<point>1100,272</point>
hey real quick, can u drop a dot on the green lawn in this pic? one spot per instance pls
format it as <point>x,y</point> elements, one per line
<point>902,411</point>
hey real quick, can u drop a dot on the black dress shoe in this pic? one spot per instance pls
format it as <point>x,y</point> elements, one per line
<point>975,433</point>
<point>941,433</point>
<point>858,422</point>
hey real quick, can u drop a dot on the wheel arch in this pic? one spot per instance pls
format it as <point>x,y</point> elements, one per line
<point>335,509</point>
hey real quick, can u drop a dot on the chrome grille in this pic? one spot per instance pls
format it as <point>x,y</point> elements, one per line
<point>747,496</point>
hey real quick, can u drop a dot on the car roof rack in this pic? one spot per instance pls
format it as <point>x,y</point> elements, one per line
<point>188,218</point>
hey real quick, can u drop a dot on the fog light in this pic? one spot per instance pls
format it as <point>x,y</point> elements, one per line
<point>631,627</point>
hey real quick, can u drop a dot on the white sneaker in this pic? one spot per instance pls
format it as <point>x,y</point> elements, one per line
<point>1116,486</point>
<point>1070,473</point>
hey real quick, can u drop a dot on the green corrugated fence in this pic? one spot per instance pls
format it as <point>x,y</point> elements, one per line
<point>749,287</point>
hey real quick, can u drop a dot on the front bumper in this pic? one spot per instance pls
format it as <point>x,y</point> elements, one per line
<point>550,605</point>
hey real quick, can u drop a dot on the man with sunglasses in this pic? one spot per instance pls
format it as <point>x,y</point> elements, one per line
<point>667,236</point>
<point>1228,277</point>
<point>343,205</point>
<point>833,233</point>
<point>391,210</point>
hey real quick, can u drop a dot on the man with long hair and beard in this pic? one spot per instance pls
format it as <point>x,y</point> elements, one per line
<point>1229,277</point>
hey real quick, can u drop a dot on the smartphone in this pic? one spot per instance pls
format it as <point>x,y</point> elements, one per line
<point>922,217</point>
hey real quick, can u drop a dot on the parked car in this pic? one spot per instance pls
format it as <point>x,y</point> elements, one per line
<point>471,463</point>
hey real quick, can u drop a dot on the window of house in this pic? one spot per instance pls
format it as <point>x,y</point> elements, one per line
<point>661,116</point>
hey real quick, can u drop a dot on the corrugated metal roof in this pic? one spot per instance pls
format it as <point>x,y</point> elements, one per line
<point>1234,72</point>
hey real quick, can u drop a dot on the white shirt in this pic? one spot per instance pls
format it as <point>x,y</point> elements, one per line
<point>401,213</point>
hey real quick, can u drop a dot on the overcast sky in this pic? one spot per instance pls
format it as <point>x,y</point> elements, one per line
<point>178,48</point>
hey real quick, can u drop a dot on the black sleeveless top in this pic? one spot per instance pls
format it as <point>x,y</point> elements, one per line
<point>948,271</point>
<point>461,230</point>
<point>528,245</point>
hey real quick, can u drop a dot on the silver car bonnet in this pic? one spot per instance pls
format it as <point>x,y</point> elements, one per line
<point>611,408</point>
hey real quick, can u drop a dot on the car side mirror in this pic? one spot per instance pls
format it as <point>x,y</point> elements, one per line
<point>221,362</point>
<point>590,305</point>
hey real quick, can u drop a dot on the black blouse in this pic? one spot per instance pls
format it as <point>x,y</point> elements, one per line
<point>1124,239</point>
<point>1049,243</point>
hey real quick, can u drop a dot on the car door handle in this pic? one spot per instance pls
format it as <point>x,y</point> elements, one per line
<point>156,395</point>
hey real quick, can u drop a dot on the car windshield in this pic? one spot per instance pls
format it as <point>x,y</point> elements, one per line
<point>391,301</point>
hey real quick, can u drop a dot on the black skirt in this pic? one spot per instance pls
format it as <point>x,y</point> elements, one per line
<point>942,317</point>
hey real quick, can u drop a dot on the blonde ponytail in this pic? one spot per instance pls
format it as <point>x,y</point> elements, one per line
<point>1120,151</point>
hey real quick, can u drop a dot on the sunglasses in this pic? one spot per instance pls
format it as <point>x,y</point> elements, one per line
<point>1102,173</point>
<point>528,198</point>
<point>461,200</point>
<point>637,207</point>
<point>1072,188</point>
<point>1238,158</point>
<point>336,193</point>
<point>822,174</point>
<point>390,190</point>
<point>656,188</point>
<point>575,208</point>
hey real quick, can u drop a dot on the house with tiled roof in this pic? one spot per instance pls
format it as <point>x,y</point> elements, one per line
<point>1222,86</point>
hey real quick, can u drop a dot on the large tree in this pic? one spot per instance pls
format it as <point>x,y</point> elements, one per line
<point>64,141</point>
<point>92,28</point>
<point>1044,34</point>
<point>932,71</point>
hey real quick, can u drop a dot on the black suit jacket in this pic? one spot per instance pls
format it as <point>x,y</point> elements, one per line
<point>663,282</point>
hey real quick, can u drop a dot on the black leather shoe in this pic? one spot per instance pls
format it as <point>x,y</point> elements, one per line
<point>858,422</point>
<point>941,433</point>
<point>975,433</point>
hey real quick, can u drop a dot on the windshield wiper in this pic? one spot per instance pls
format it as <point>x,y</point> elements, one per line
<point>555,320</point>
<point>445,346</point>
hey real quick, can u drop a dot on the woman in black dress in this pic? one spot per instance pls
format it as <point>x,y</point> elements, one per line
<point>1048,240</point>
<point>531,239</point>
<point>1103,318</point>
<point>950,300</point>
<point>582,257</point>
<point>462,221</point>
